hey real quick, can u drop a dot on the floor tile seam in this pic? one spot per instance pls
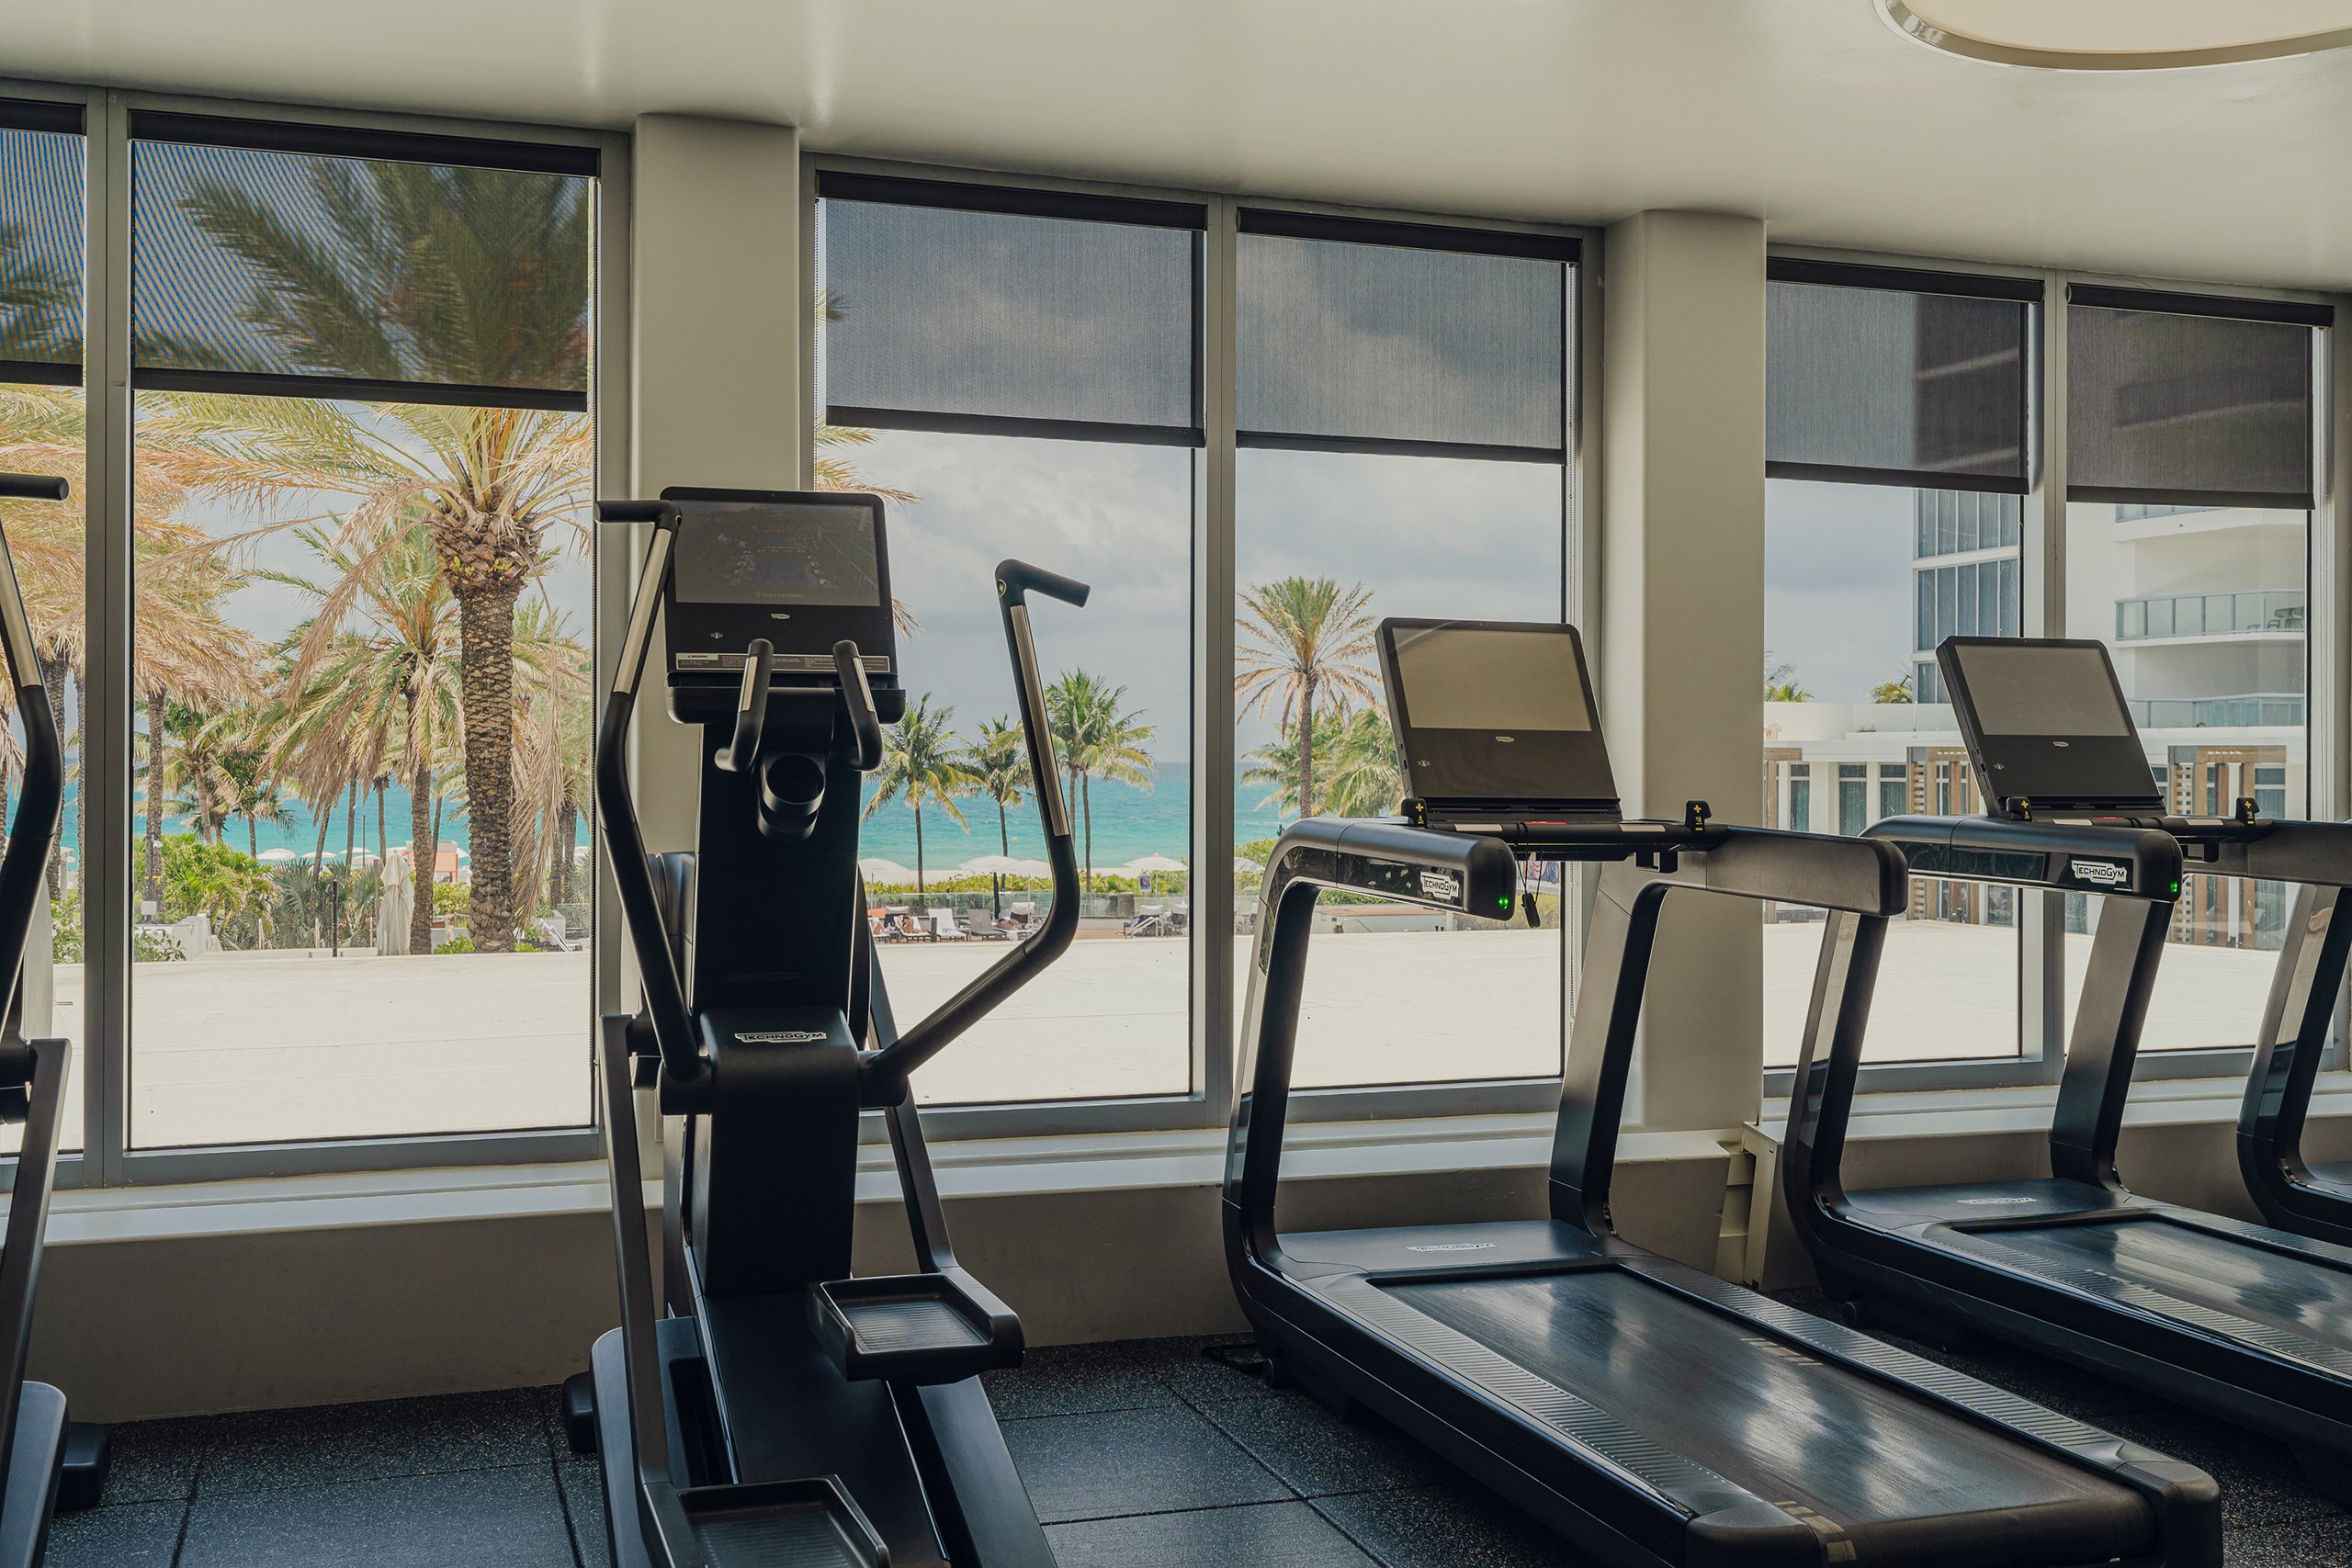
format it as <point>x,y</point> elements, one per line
<point>187,1513</point>
<point>563,1506</point>
<point>201,1496</point>
<point>1345,1533</point>
<point>1291,1502</point>
<point>1081,1410</point>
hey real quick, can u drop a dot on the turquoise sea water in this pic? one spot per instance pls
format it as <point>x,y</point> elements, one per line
<point>1129,822</point>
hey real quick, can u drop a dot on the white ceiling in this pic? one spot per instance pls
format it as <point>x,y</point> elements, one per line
<point>1810,113</point>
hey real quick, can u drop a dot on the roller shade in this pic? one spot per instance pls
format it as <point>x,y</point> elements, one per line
<point>437,272</point>
<point>1886,376</point>
<point>41,207</point>
<point>1364,336</point>
<point>2183,400</point>
<point>977,308</point>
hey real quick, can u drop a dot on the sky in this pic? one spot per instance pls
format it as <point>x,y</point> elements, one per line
<point>1436,536</point>
<point>1838,593</point>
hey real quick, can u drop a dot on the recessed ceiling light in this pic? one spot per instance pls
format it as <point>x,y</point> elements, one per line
<point>2122,35</point>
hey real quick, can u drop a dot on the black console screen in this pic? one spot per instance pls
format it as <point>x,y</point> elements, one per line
<point>754,553</point>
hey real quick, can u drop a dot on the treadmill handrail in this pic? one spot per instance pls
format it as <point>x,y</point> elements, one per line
<point>2036,854</point>
<point>2309,854</point>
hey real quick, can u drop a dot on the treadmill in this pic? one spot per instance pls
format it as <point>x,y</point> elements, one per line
<point>2245,1321</point>
<point>1650,1413</point>
<point>2313,1199</point>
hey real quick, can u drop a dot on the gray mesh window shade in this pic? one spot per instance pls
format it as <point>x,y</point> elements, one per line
<point>41,207</point>
<point>322,263</point>
<point>983,308</point>
<point>2173,400</point>
<point>1886,376</point>
<point>1408,338</point>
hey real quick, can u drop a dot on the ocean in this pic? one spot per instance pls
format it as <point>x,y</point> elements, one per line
<point>1129,822</point>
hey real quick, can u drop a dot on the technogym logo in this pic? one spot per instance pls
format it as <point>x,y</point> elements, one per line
<point>1453,1247</point>
<point>783,1037</point>
<point>1442,885</point>
<point>2102,873</point>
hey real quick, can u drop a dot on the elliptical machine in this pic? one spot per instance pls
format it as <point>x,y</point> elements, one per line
<point>34,1433</point>
<point>782,1412</point>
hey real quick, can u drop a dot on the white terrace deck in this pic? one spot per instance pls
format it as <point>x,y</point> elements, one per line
<point>270,1046</point>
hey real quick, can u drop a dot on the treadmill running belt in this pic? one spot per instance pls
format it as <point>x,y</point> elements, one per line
<point>1886,1470</point>
<point>2212,1272</point>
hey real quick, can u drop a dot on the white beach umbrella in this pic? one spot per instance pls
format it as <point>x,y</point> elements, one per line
<point>1142,863</point>
<point>991,866</point>
<point>279,857</point>
<point>1244,863</point>
<point>1029,868</point>
<point>877,869</point>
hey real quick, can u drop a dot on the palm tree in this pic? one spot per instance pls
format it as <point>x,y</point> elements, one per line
<point>456,275</point>
<point>1355,758</point>
<point>1781,683</point>
<point>922,759</point>
<point>552,677</point>
<point>40,307</point>
<point>1302,637</point>
<point>998,763</point>
<point>1895,691</point>
<point>1096,738</point>
<point>182,651</point>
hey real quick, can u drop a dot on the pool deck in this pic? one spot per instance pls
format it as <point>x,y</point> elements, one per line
<point>263,1047</point>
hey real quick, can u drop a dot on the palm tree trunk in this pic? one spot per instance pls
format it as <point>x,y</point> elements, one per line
<point>486,687</point>
<point>383,782</point>
<point>52,675</point>
<point>1306,750</point>
<point>1003,830</point>
<point>1086,804</point>
<point>919,887</point>
<point>424,850</point>
<point>351,823</point>
<point>154,893</point>
<point>253,837</point>
<point>567,828</point>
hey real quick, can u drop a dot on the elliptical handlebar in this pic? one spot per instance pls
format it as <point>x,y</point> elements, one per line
<point>858,692</point>
<point>886,1071</point>
<point>665,996</point>
<point>742,752</point>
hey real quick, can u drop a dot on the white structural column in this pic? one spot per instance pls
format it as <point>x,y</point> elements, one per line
<point>717,313</point>
<point>1681,650</point>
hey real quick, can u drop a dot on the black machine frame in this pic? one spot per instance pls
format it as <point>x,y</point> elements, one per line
<point>1508,1345</point>
<point>2022,1259</point>
<point>784,1403</point>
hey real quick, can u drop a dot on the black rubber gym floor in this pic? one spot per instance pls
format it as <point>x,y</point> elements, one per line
<point>1138,1455</point>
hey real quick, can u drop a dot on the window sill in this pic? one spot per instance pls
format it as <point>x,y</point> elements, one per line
<point>1105,1162</point>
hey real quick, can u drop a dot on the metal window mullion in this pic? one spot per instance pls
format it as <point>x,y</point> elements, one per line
<point>2327,765</point>
<point>105,805</point>
<point>1213,707</point>
<point>2043,963</point>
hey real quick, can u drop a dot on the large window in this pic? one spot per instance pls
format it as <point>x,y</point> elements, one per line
<point>2188,550</point>
<point>318,628</point>
<point>1373,417</point>
<point>1402,404</point>
<point>360,654</point>
<point>1017,373</point>
<point>42,430</point>
<point>1893,518</point>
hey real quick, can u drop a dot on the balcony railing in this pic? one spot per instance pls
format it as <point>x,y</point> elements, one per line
<point>2209,615</point>
<point>2263,710</point>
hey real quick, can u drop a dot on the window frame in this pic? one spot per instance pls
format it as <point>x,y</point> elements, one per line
<point>1216,978</point>
<point>2042,611</point>
<point>107,1158</point>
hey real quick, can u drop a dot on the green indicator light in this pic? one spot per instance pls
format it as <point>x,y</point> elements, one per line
<point>1504,902</point>
<point>2176,887</point>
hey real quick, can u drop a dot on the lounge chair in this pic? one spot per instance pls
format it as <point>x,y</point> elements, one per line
<point>908,927</point>
<point>943,927</point>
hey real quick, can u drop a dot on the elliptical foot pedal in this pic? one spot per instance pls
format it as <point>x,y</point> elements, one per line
<point>82,1474</point>
<point>809,1523</point>
<point>919,1329</point>
<point>580,1412</point>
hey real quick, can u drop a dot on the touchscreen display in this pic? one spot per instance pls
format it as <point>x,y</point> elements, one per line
<point>2040,689</point>
<point>758,553</point>
<point>1492,679</point>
